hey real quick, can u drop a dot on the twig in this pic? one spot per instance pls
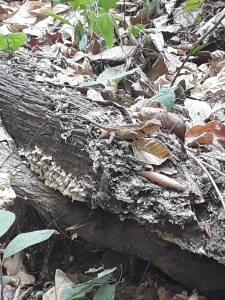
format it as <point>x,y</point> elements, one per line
<point>218,158</point>
<point>195,45</point>
<point>210,177</point>
<point>215,169</point>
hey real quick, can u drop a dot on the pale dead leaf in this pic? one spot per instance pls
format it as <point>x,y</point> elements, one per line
<point>62,282</point>
<point>148,158</point>
<point>194,295</point>
<point>143,85</point>
<point>117,53</point>
<point>142,102</point>
<point>185,19</point>
<point>216,83</point>
<point>161,291</point>
<point>50,294</point>
<point>171,61</point>
<point>24,277</point>
<point>17,263</point>
<point>157,40</point>
<point>198,111</point>
<point>94,95</point>
<point>164,80</point>
<point>22,18</point>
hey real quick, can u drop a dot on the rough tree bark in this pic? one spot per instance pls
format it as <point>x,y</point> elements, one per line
<point>128,213</point>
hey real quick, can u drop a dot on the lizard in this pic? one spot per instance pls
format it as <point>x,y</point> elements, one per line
<point>126,131</point>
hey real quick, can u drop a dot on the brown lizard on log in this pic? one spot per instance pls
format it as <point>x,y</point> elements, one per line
<point>126,131</point>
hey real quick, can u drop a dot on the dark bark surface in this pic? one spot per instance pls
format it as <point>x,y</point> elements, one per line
<point>129,213</point>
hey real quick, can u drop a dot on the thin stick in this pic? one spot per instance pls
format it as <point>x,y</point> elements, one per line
<point>213,168</point>
<point>210,177</point>
<point>195,45</point>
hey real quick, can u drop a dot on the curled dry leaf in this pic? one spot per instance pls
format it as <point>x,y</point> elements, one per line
<point>204,135</point>
<point>217,62</point>
<point>162,179</point>
<point>147,113</point>
<point>172,123</point>
<point>151,151</point>
<point>143,102</point>
<point>179,297</point>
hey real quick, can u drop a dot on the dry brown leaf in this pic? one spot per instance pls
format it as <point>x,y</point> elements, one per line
<point>149,294</point>
<point>162,179</point>
<point>204,135</point>
<point>172,123</point>
<point>198,135</point>
<point>179,297</point>
<point>141,17</point>
<point>159,68</point>
<point>154,147</point>
<point>24,277</point>
<point>217,62</point>
<point>166,296</point>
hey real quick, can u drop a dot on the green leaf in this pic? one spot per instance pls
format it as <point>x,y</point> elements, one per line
<point>80,36</point>
<point>67,294</point>
<point>92,22</point>
<point>83,4</point>
<point>7,218</point>
<point>105,292</point>
<point>106,27</point>
<point>83,42</point>
<point>197,19</point>
<point>151,7</point>
<point>199,48</point>
<point>25,240</point>
<point>6,279</point>
<point>80,290</point>
<point>107,4</point>
<point>166,96</point>
<point>49,13</point>
<point>136,29</point>
<point>116,77</point>
<point>12,41</point>
<point>192,4</point>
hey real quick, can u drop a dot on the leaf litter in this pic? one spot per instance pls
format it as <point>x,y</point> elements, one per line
<point>149,56</point>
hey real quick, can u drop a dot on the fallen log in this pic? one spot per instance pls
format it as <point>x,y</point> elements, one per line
<point>129,213</point>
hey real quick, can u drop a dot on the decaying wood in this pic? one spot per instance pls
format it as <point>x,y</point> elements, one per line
<point>131,213</point>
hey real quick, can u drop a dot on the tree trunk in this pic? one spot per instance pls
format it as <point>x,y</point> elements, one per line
<point>128,213</point>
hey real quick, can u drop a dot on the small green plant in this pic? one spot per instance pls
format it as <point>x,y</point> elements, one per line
<point>106,291</point>
<point>19,243</point>
<point>96,14</point>
<point>193,4</point>
<point>12,41</point>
